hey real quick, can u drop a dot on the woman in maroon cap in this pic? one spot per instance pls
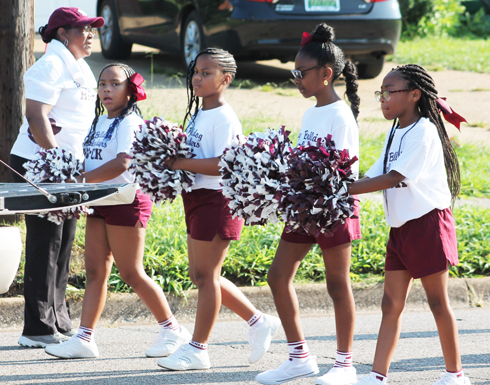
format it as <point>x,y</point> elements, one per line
<point>60,100</point>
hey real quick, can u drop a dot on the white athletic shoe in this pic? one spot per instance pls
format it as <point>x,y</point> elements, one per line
<point>186,358</point>
<point>74,348</point>
<point>41,341</point>
<point>370,379</point>
<point>168,341</point>
<point>260,337</point>
<point>447,379</point>
<point>338,376</point>
<point>288,372</point>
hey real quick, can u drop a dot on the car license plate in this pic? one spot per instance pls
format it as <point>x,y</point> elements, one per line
<point>322,5</point>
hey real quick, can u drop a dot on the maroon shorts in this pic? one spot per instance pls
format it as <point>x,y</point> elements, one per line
<point>207,214</point>
<point>423,246</point>
<point>342,233</point>
<point>126,215</point>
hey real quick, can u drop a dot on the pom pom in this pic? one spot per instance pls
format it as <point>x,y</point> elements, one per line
<point>54,165</point>
<point>157,142</point>
<point>57,166</point>
<point>253,171</point>
<point>316,197</point>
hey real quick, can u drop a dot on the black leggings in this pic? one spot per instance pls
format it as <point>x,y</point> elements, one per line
<point>48,250</point>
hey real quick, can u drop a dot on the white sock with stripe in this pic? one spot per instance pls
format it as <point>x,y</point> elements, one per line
<point>256,320</point>
<point>378,378</point>
<point>343,360</point>
<point>170,324</point>
<point>298,351</point>
<point>198,346</point>
<point>85,334</point>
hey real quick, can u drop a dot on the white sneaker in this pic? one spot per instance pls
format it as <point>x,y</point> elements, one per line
<point>42,341</point>
<point>288,372</point>
<point>260,337</point>
<point>370,379</point>
<point>168,341</point>
<point>186,358</point>
<point>338,376</point>
<point>447,379</point>
<point>74,348</point>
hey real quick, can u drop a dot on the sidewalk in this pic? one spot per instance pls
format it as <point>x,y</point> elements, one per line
<point>313,299</point>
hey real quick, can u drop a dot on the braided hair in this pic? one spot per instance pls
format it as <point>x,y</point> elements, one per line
<point>99,109</point>
<point>418,78</point>
<point>228,66</point>
<point>325,52</point>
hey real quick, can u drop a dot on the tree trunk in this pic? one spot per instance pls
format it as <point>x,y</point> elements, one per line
<point>16,56</point>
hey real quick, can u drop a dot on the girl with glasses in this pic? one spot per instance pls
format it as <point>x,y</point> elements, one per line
<point>318,64</point>
<point>418,173</point>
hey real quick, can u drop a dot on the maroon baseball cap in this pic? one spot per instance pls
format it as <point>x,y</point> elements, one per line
<point>71,16</point>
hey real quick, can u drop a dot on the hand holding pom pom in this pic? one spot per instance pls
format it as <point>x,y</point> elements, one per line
<point>57,166</point>
<point>253,170</point>
<point>158,142</point>
<point>316,198</point>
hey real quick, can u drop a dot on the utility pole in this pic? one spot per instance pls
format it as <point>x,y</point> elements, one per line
<point>16,56</point>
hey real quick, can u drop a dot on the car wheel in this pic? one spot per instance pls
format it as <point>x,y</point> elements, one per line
<point>192,38</point>
<point>111,42</point>
<point>369,69</point>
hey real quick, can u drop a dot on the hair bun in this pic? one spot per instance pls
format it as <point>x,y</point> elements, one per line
<point>42,31</point>
<point>323,34</point>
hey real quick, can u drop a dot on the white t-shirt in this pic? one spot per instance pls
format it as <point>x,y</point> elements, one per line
<point>208,136</point>
<point>99,151</point>
<point>334,119</point>
<point>416,153</point>
<point>68,85</point>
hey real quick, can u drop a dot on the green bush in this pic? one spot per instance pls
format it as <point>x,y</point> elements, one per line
<point>422,18</point>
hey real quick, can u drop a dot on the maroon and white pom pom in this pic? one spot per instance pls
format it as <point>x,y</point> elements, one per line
<point>57,166</point>
<point>253,171</point>
<point>158,141</point>
<point>54,165</point>
<point>316,198</point>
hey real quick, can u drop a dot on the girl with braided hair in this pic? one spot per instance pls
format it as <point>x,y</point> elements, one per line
<point>210,226</point>
<point>117,233</point>
<point>318,65</point>
<point>418,173</point>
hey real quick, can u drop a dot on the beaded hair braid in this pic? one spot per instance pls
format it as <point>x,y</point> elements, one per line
<point>228,65</point>
<point>322,49</point>
<point>99,108</point>
<point>418,78</point>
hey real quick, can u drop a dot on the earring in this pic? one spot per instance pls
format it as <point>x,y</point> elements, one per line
<point>325,82</point>
<point>66,43</point>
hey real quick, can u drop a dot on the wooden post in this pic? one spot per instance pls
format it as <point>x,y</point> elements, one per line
<point>16,56</point>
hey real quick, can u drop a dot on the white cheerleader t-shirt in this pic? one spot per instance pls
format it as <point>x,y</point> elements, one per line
<point>98,151</point>
<point>334,119</point>
<point>416,153</point>
<point>67,84</point>
<point>208,135</point>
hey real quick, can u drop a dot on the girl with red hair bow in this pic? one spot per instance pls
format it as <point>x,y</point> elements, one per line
<point>117,233</point>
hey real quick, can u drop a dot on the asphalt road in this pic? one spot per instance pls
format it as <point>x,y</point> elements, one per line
<point>418,359</point>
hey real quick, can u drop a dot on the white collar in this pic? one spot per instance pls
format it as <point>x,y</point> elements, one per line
<point>79,69</point>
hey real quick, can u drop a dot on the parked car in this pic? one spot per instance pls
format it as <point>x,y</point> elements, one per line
<point>367,30</point>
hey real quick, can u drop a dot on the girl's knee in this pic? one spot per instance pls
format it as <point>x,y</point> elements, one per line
<point>391,306</point>
<point>338,290</point>
<point>438,306</point>
<point>132,278</point>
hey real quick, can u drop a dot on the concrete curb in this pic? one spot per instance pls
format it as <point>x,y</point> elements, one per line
<point>313,299</point>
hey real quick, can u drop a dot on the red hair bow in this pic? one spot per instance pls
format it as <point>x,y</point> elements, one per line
<point>449,114</point>
<point>306,38</point>
<point>135,86</point>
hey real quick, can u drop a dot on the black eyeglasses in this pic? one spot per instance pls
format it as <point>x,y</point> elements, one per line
<point>299,74</point>
<point>386,95</point>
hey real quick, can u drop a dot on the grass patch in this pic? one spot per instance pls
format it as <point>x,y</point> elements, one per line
<point>249,259</point>
<point>440,53</point>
